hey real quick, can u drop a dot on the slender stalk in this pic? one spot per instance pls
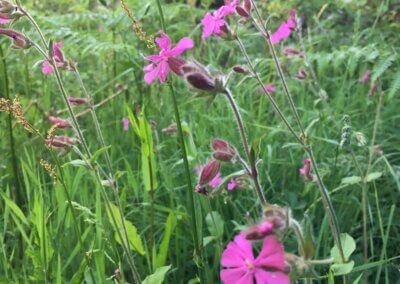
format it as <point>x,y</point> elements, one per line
<point>308,148</point>
<point>191,197</point>
<point>242,131</point>
<point>18,194</point>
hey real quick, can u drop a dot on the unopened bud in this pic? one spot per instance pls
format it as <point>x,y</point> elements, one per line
<point>78,101</point>
<point>247,5</point>
<point>200,81</point>
<point>60,142</point>
<point>301,74</point>
<point>61,123</point>
<point>209,172</point>
<point>223,151</point>
<point>242,12</point>
<point>239,69</point>
<point>19,41</point>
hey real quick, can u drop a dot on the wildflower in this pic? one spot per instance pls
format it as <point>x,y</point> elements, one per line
<point>305,170</point>
<point>78,101</point>
<point>214,23</point>
<point>61,142</point>
<point>172,129</point>
<point>228,8</point>
<point>241,266</point>
<point>301,74</point>
<point>167,59</point>
<point>285,29</point>
<point>239,69</point>
<point>125,124</point>
<point>223,151</point>
<point>58,58</point>
<point>8,12</point>
<point>215,182</point>
<point>61,123</point>
<point>19,41</point>
<point>270,89</point>
<point>291,51</point>
<point>232,184</point>
<point>365,77</point>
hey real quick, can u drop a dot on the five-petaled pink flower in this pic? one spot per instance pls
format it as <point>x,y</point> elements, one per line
<point>306,170</point>
<point>364,78</point>
<point>213,23</point>
<point>285,29</point>
<point>232,184</point>
<point>167,59</point>
<point>241,266</point>
<point>270,89</point>
<point>58,57</point>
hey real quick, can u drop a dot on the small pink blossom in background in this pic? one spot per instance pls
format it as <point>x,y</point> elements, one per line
<point>232,184</point>
<point>100,28</point>
<point>78,101</point>
<point>301,74</point>
<point>270,89</point>
<point>215,181</point>
<point>377,149</point>
<point>364,78</point>
<point>167,59</point>
<point>125,124</point>
<point>291,51</point>
<point>240,266</point>
<point>285,29</point>
<point>213,23</point>
<point>58,58</point>
<point>306,170</point>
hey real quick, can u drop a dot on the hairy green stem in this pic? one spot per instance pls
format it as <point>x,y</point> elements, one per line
<point>253,167</point>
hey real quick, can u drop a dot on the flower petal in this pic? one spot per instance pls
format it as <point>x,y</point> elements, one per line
<point>163,68</point>
<point>4,21</point>
<point>46,68</point>
<point>153,58</point>
<point>237,252</point>
<point>184,44</point>
<point>148,68</point>
<point>236,276</point>
<point>57,51</point>
<point>271,254</point>
<point>164,42</point>
<point>208,23</point>
<point>271,277</point>
<point>151,75</point>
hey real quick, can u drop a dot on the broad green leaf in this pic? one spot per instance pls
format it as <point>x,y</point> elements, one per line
<point>342,268</point>
<point>215,224</point>
<point>348,245</point>
<point>373,176</point>
<point>158,276</point>
<point>351,180</point>
<point>135,241</point>
<point>169,228</point>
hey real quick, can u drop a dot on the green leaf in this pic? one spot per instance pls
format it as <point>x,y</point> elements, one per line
<point>158,276</point>
<point>99,152</point>
<point>215,224</point>
<point>77,163</point>
<point>134,239</point>
<point>348,245</point>
<point>373,176</point>
<point>351,180</point>
<point>342,268</point>
<point>169,228</point>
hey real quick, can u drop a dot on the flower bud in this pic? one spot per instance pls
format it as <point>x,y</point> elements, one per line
<point>223,151</point>
<point>242,12</point>
<point>61,123</point>
<point>176,64</point>
<point>277,216</point>
<point>61,142</point>
<point>170,129</point>
<point>8,12</point>
<point>78,101</point>
<point>209,172</point>
<point>301,74</point>
<point>239,69</point>
<point>247,5</point>
<point>200,81</point>
<point>19,41</point>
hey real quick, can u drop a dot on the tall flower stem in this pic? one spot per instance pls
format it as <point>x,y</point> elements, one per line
<point>333,222</point>
<point>76,127</point>
<point>191,197</point>
<point>253,167</point>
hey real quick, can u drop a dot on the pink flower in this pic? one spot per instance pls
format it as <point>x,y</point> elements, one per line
<point>232,184</point>
<point>285,29</point>
<point>125,124</point>
<point>270,89</point>
<point>18,40</point>
<point>4,21</point>
<point>215,181</point>
<point>58,58</point>
<point>306,169</point>
<point>241,266</point>
<point>213,23</point>
<point>364,78</point>
<point>166,60</point>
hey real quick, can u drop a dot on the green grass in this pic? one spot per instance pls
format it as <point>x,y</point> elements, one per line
<point>38,234</point>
